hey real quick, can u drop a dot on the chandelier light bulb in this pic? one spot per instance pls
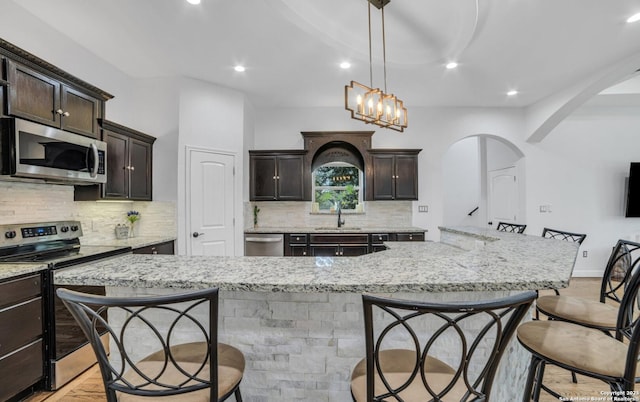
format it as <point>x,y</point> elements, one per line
<point>451,65</point>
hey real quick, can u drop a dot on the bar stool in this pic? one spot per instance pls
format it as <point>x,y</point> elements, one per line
<point>176,371</point>
<point>587,351</point>
<point>511,227</point>
<point>590,313</point>
<point>401,350</point>
<point>562,235</point>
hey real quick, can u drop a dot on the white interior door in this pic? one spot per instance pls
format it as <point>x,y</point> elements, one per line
<point>210,189</point>
<point>503,196</point>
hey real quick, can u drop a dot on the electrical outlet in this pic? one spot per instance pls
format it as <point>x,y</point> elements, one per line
<point>584,254</point>
<point>423,208</point>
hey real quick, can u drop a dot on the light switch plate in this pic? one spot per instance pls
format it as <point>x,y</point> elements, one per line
<point>423,208</point>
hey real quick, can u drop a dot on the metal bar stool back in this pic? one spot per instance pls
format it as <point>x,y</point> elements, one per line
<point>511,227</point>
<point>152,327</point>
<point>422,351</point>
<point>562,235</point>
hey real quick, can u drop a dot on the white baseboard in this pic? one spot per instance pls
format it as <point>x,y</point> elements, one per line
<point>587,273</point>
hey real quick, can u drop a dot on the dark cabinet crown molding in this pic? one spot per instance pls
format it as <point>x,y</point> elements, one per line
<point>118,128</point>
<point>13,52</point>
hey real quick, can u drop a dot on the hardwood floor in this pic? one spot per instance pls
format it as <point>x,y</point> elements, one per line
<point>88,387</point>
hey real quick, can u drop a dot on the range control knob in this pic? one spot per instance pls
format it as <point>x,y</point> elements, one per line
<point>10,234</point>
<point>74,228</point>
<point>64,229</point>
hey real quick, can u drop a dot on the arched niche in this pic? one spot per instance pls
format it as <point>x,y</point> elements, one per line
<point>329,146</point>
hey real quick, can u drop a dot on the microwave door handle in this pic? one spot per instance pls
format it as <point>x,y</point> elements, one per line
<point>94,170</point>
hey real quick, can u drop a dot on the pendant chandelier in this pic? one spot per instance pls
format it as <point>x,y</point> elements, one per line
<point>372,105</point>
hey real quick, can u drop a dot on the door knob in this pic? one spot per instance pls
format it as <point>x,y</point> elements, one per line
<point>196,234</point>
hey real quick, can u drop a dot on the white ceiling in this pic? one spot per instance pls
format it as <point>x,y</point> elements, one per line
<point>292,48</point>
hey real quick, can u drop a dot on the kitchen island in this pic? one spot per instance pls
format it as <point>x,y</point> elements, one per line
<point>299,320</point>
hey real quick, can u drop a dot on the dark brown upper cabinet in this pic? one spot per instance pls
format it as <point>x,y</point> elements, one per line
<point>129,166</point>
<point>277,175</point>
<point>394,174</point>
<point>40,98</point>
<point>129,162</point>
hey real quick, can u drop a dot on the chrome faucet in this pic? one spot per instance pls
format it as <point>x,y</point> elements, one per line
<point>340,221</point>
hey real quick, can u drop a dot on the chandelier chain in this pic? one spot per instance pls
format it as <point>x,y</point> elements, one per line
<point>384,51</point>
<point>370,53</point>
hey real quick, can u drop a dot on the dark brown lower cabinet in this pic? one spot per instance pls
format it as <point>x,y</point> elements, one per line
<point>160,248</point>
<point>21,343</point>
<point>341,245</point>
<point>415,236</point>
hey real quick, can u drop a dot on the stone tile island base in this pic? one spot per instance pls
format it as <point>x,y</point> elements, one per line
<point>302,346</point>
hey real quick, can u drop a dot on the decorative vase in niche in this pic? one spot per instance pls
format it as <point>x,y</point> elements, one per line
<point>132,227</point>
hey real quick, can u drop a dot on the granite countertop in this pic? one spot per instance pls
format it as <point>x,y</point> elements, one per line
<point>505,261</point>
<point>11,270</point>
<point>334,229</point>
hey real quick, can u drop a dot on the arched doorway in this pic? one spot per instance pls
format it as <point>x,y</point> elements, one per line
<point>475,183</point>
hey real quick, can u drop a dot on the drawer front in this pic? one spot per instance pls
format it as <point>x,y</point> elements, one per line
<point>410,237</point>
<point>21,370</point>
<point>346,238</point>
<point>379,238</point>
<point>20,325</point>
<point>17,290</point>
<point>295,238</point>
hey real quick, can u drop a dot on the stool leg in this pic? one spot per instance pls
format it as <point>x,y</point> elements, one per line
<point>237,395</point>
<point>534,367</point>
<point>539,377</point>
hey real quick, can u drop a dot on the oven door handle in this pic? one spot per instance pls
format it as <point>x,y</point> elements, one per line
<point>94,171</point>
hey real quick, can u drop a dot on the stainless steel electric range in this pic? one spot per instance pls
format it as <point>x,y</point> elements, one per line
<point>57,244</point>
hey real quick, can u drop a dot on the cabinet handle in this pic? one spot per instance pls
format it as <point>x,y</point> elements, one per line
<point>132,167</point>
<point>60,111</point>
<point>337,253</point>
<point>278,177</point>
<point>274,177</point>
<point>65,114</point>
<point>304,253</point>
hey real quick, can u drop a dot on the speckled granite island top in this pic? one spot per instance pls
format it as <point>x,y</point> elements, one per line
<point>497,261</point>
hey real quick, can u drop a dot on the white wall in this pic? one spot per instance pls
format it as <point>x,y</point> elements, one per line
<point>210,117</point>
<point>461,190</point>
<point>580,170</point>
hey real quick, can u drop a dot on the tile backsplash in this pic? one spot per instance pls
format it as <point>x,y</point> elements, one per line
<point>289,214</point>
<point>34,202</point>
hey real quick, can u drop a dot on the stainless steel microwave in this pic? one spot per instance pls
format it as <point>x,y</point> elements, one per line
<point>34,151</point>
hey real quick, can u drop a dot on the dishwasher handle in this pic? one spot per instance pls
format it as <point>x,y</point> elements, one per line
<point>264,239</point>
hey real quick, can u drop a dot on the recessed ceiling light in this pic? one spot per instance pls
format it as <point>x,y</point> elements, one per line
<point>634,18</point>
<point>451,65</point>
<point>193,1</point>
<point>344,65</point>
<point>513,92</point>
<point>239,68</point>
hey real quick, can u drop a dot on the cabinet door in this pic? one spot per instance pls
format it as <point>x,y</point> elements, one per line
<point>263,178</point>
<point>33,96</point>
<point>139,169</point>
<point>324,250</point>
<point>290,178</point>
<point>383,173</point>
<point>353,250</point>
<point>80,112</point>
<point>298,250</point>
<point>406,177</point>
<point>117,185</point>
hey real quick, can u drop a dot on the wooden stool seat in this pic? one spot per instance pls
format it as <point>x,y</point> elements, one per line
<point>585,350</point>
<point>589,313</point>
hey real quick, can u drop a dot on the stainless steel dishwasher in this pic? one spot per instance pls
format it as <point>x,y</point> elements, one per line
<point>264,244</point>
